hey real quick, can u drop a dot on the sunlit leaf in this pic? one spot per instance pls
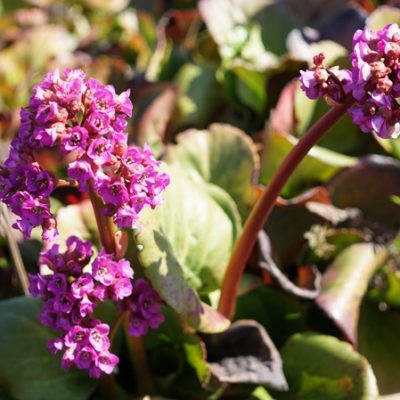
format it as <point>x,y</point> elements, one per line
<point>382,16</point>
<point>185,245</point>
<point>323,367</point>
<point>229,15</point>
<point>222,155</point>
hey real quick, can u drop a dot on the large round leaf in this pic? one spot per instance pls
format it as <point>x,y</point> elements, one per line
<point>27,368</point>
<point>186,244</point>
<point>222,155</point>
<point>323,367</point>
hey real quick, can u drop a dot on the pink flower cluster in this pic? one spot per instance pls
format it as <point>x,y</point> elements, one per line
<point>333,83</point>
<point>70,293</point>
<point>88,120</point>
<point>374,81</point>
<point>144,308</point>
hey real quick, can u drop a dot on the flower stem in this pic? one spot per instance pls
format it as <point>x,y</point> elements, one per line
<point>117,323</point>
<point>259,215</point>
<point>15,253</point>
<point>140,365</point>
<point>105,224</point>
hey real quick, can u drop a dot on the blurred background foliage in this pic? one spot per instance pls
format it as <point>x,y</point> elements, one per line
<point>216,95</point>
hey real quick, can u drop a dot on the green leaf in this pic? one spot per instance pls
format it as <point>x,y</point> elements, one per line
<point>321,367</point>
<point>186,244</point>
<point>260,394</point>
<point>345,282</point>
<point>224,156</point>
<point>382,16</point>
<point>276,23</point>
<point>280,314</point>
<point>250,88</point>
<point>392,146</point>
<point>188,346</point>
<point>199,94</point>
<point>378,340</point>
<point>318,166</point>
<point>27,368</point>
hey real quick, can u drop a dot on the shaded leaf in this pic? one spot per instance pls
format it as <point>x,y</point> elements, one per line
<point>222,155</point>
<point>323,367</point>
<point>378,337</point>
<point>281,315</point>
<point>187,346</point>
<point>285,228</point>
<point>183,249</point>
<point>345,282</point>
<point>28,370</point>
<point>352,188</point>
<point>245,354</point>
<point>276,23</point>
<point>318,166</point>
<point>268,264</point>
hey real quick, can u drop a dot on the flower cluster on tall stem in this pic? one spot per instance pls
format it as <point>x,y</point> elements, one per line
<point>369,92</point>
<point>86,121</point>
<point>374,81</point>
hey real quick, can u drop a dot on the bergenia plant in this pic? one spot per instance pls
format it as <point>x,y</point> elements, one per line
<point>86,121</point>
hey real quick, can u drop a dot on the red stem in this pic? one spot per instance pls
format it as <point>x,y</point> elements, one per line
<point>259,215</point>
<point>105,224</point>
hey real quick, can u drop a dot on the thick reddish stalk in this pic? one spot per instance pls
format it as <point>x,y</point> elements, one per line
<point>105,224</point>
<point>259,215</point>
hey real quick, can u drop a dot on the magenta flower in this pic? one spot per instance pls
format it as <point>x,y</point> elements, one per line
<point>75,139</point>
<point>374,81</point>
<point>144,306</point>
<point>70,297</point>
